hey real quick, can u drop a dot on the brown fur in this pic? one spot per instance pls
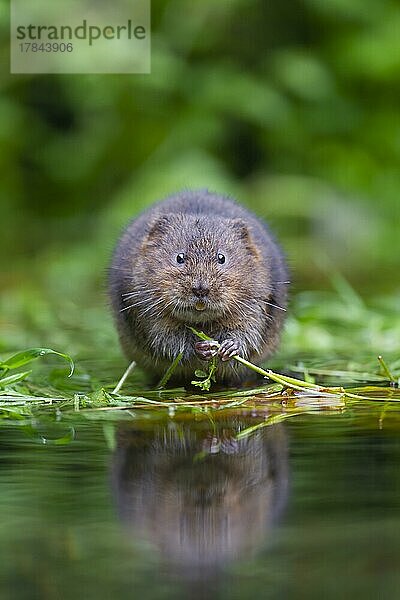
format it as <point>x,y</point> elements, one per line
<point>152,295</point>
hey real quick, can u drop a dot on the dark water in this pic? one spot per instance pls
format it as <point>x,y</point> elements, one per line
<point>309,508</point>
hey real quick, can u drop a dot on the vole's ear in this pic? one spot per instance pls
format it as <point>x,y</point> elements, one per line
<point>158,226</point>
<point>243,232</point>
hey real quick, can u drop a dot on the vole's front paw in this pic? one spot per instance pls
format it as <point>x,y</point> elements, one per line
<point>206,350</point>
<point>228,349</point>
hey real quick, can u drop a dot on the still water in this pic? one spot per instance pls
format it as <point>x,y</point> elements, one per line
<point>169,508</point>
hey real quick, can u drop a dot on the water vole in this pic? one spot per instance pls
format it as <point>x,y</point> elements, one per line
<point>200,259</point>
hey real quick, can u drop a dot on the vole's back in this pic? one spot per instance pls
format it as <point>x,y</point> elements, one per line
<point>199,259</point>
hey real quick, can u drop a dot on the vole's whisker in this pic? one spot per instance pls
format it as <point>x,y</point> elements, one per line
<point>127,308</point>
<point>140,292</point>
<point>163,309</point>
<point>144,302</point>
<point>245,308</point>
<point>151,307</point>
<point>275,306</point>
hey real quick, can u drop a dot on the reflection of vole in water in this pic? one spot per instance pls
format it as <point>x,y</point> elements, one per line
<point>202,499</point>
<point>198,259</point>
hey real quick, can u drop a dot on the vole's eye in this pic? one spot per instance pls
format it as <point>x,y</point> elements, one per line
<point>220,258</point>
<point>180,258</point>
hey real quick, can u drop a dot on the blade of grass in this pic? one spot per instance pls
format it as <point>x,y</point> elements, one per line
<point>170,371</point>
<point>5,381</point>
<point>386,370</point>
<point>124,377</point>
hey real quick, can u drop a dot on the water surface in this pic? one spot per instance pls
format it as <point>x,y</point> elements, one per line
<point>176,508</point>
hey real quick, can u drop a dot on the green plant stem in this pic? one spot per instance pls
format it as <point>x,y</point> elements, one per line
<point>291,382</point>
<point>282,379</point>
<point>124,377</point>
<point>170,371</point>
<point>386,369</point>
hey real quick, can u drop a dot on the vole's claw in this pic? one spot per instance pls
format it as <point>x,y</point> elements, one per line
<point>228,349</point>
<point>206,350</point>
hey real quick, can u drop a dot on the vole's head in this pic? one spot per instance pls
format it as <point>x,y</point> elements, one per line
<point>202,268</point>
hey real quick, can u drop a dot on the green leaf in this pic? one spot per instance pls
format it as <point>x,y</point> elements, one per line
<point>206,385</point>
<point>27,356</point>
<point>101,398</point>
<point>203,385</point>
<point>13,378</point>
<point>200,373</point>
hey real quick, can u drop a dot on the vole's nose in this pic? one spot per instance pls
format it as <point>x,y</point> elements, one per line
<point>200,289</point>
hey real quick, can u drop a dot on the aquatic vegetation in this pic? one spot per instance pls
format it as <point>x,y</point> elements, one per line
<point>24,394</point>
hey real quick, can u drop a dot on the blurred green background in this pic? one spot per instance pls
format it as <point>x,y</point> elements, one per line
<point>292,107</point>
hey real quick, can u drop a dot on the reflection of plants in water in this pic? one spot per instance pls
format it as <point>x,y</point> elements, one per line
<point>202,497</point>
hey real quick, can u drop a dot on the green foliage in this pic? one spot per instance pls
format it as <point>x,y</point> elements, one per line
<point>292,107</point>
<point>23,358</point>
<point>7,382</point>
<point>23,398</point>
<point>206,378</point>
